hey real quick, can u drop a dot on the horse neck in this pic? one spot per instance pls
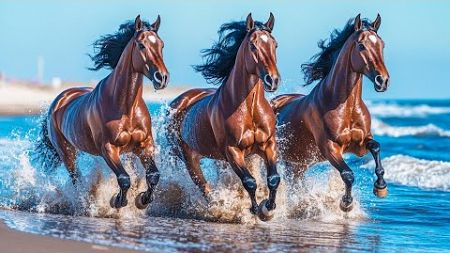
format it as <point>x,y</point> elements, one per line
<point>125,84</point>
<point>240,84</point>
<point>343,85</point>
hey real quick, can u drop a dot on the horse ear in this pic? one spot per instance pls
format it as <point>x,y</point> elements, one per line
<point>269,24</point>
<point>155,25</point>
<point>250,23</point>
<point>138,23</point>
<point>376,24</point>
<point>358,23</point>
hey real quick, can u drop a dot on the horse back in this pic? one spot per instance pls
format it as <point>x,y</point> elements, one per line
<point>279,101</point>
<point>190,97</point>
<point>67,96</point>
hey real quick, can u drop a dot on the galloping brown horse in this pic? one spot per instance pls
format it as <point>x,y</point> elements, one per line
<point>333,118</point>
<point>235,120</point>
<point>112,118</point>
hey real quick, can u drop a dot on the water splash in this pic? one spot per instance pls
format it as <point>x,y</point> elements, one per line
<point>27,187</point>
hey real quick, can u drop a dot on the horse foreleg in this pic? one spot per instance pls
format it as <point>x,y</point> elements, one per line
<point>235,157</point>
<point>333,152</point>
<point>151,177</point>
<point>111,154</point>
<point>273,180</point>
<point>380,186</point>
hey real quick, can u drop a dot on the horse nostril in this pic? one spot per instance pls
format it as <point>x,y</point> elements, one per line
<point>379,80</point>
<point>158,76</point>
<point>268,80</point>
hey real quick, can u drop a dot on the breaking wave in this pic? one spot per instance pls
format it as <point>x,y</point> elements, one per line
<point>411,171</point>
<point>396,110</point>
<point>383,129</point>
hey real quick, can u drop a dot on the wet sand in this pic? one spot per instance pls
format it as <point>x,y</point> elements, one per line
<point>12,241</point>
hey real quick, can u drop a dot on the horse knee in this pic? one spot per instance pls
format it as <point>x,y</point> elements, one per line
<point>152,178</point>
<point>273,181</point>
<point>124,181</point>
<point>249,184</point>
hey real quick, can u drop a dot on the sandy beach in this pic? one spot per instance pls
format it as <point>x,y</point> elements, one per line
<point>30,99</point>
<point>12,241</point>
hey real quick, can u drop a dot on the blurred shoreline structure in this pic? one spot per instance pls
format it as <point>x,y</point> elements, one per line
<point>25,97</point>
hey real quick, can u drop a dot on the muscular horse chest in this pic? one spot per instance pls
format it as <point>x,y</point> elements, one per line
<point>129,132</point>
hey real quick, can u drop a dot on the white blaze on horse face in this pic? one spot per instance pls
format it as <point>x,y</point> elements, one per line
<point>264,38</point>
<point>152,38</point>
<point>373,38</point>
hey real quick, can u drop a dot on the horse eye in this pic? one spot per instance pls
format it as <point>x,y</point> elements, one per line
<point>361,46</point>
<point>252,46</point>
<point>141,46</point>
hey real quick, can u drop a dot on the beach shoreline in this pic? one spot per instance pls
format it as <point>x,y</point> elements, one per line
<point>13,241</point>
<point>20,99</point>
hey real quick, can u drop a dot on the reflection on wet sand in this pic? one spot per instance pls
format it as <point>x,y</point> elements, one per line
<point>183,235</point>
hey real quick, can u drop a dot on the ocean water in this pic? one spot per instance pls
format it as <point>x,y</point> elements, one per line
<point>415,217</point>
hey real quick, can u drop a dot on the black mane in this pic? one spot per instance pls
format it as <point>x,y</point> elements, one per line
<point>221,56</point>
<point>322,62</point>
<point>109,48</point>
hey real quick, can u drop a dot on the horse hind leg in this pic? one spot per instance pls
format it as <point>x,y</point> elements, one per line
<point>67,153</point>
<point>192,161</point>
<point>69,160</point>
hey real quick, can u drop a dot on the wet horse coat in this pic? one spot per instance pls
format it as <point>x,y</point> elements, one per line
<point>112,118</point>
<point>333,118</point>
<point>235,120</point>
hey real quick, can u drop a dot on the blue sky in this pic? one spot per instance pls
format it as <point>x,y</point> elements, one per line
<point>416,33</point>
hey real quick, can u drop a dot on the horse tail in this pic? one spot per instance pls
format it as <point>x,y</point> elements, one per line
<point>45,153</point>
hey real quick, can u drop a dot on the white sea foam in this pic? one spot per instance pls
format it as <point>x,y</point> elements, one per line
<point>410,171</point>
<point>383,129</point>
<point>396,110</point>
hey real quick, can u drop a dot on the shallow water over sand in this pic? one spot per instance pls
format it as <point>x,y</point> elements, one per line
<point>414,217</point>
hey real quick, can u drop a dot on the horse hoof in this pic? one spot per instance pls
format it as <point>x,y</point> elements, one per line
<point>380,193</point>
<point>138,201</point>
<point>346,207</point>
<point>264,214</point>
<point>115,203</point>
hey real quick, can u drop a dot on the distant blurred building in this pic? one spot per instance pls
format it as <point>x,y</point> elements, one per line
<point>40,69</point>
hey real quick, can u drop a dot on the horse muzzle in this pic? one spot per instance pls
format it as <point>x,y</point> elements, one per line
<point>160,80</point>
<point>381,83</point>
<point>271,83</point>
